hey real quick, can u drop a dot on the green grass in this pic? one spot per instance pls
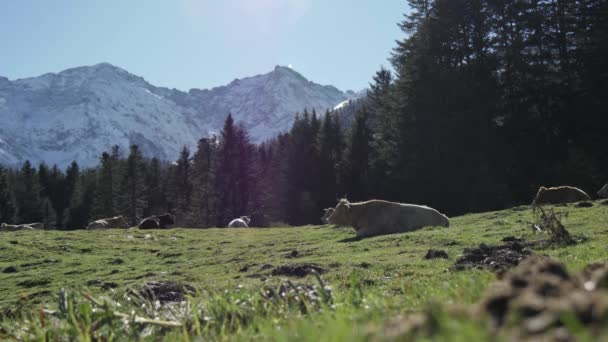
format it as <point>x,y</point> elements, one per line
<point>377,284</point>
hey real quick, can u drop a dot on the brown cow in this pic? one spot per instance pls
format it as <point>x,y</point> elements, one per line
<point>558,195</point>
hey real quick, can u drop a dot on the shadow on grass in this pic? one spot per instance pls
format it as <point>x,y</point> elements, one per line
<point>351,239</point>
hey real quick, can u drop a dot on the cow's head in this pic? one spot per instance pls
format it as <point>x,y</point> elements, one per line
<point>341,215</point>
<point>246,219</point>
<point>327,214</point>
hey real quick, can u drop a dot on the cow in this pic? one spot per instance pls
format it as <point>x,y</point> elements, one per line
<point>327,214</point>
<point>107,223</point>
<point>378,217</point>
<point>157,221</point>
<point>603,193</point>
<point>241,222</point>
<point>36,225</point>
<point>559,195</point>
<point>5,227</point>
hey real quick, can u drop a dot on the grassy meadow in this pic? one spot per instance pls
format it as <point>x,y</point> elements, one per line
<point>370,289</point>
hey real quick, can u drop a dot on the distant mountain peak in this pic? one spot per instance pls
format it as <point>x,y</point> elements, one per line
<point>80,112</point>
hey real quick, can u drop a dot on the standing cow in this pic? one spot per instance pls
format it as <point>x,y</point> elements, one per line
<point>377,217</point>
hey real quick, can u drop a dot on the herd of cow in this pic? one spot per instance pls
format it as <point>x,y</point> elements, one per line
<point>370,218</point>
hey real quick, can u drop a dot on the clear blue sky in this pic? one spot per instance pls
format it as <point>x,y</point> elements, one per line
<point>201,43</point>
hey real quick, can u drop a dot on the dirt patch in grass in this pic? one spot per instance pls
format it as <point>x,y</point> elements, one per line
<point>10,269</point>
<point>540,298</point>
<point>34,282</point>
<point>166,291</point>
<point>297,270</point>
<point>294,254</point>
<point>168,255</point>
<point>117,261</point>
<point>436,254</point>
<point>45,261</point>
<point>495,258</point>
<point>584,205</point>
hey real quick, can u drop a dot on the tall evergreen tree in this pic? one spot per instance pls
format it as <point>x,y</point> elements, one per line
<point>27,195</point>
<point>233,174</point>
<point>82,201</point>
<point>203,196</point>
<point>357,162</point>
<point>133,199</point>
<point>7,200</point>
<point>155,190</point>
<point>182,184</point>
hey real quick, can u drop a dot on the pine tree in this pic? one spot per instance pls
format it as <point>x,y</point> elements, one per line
<point>329,146</point>
<point>106,183</point>
<point>7,200</point>
<point>27,195</point>
<point>301,179</point>
<point>357,171</point>
<point>133,198</point>
<point>234,176</point>
<point>203,196</point>
<point>155,191</point>
<point>182,184</point>
<point>82,201</point>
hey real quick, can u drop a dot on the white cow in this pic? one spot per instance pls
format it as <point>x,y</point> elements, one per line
<point>241,222</point>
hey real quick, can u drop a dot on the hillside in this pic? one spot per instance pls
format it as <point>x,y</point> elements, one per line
<point>376,284</point>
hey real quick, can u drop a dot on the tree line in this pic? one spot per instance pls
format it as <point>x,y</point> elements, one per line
<point>485,101</point>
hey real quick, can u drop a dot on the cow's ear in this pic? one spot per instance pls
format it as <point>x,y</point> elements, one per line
<point>348,206</point>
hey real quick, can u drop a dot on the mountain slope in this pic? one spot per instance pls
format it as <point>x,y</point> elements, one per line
<point>79,113</point>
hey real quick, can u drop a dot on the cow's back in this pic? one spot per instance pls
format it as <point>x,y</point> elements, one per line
<point>99,224</point>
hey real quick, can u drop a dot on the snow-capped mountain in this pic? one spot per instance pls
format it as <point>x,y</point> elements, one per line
<point>79,113</point>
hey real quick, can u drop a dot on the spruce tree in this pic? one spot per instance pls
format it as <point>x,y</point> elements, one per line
<point>133,192</point>
<point>182,184</point>
<point>357,161</point>
<point>203,196</point>
<point>233,174</point>
<point>155,190</point>
<point>7,200</point>
<point>82,201</point>
<point>27,195</point>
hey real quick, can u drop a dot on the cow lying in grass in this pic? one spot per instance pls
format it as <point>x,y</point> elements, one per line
<point>241,222</point>
<point>377,217</point>
<point>603,193</point>
<point>108,223</point>
<point>15,227</point>
<point>558,195</point>
<point>157,221</point>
